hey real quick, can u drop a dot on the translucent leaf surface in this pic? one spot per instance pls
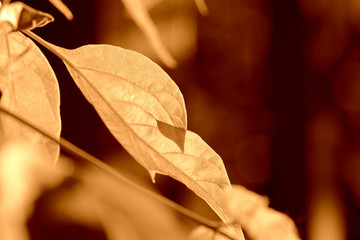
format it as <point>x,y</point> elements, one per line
<point>29,88</point>
<point>130,92</point>
<point>259,221</point>
<point>138,102</point>
<point>18,16</point>
<point>140,15</point>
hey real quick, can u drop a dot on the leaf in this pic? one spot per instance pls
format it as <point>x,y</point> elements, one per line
<point>136,216</point>
<point>140,15</point>
<point>129,90</point>
<point>201,5</point>
<point>176,134</point>
<point>259,221</point>
<point>138,101</point>
<point>62,8</point>
<point>29,88</point>
<point>18,16</point>
<point>22,179</point>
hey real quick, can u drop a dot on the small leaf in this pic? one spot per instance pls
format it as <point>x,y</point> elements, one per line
<point>29,88</point>
<point>140,15</point>
<point>259,221</point>
<point>19,17</point>
<point>201,5</point>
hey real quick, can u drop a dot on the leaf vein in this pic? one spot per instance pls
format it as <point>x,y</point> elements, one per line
<point>139,87</point>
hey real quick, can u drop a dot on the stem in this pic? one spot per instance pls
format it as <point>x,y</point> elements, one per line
<point>78,153</point>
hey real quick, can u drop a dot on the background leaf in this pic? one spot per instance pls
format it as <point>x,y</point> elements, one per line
<point>22,179</point>
<point>260,222</point>
<point>29,88</point>
<point>201,5</point>
<point>133,96</point>
<point>101,201</point>
<point>140,15</point>
<point>62,8</point>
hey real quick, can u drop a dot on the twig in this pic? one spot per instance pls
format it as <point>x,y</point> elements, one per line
<point>78,153</point>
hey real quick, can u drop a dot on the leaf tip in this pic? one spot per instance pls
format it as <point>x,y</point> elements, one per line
<point>62,8</point>
<point>152,175</point>
<point>170,62</point>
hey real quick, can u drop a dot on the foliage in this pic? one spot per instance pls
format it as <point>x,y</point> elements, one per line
<point>139,103</point>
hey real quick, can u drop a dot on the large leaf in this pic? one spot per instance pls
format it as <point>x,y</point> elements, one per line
<point>29,88</point>
<point>139,13</point>
<point>129,91</point>
<point>144,109</point>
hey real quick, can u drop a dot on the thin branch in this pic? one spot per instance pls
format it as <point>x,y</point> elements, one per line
<point>78,153</point>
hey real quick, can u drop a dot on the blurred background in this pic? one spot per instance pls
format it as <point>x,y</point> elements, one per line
<point>272,86</point>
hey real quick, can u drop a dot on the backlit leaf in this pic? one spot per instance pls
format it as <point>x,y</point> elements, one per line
<point>259,221</point>
<point>138,102</point>
<point>18,16</point>
<point>129,90</point>
<point>29,88</point>
<point>140,15</point>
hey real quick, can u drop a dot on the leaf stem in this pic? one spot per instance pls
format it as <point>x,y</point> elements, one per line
<point>78,153</point>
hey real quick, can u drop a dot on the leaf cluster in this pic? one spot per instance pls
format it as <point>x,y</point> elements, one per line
<point>138,102</point>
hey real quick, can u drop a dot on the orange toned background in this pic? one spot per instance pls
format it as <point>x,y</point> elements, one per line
<point>272,86</point>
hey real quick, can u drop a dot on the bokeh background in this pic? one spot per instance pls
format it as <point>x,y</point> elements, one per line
<point>273,86</point>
